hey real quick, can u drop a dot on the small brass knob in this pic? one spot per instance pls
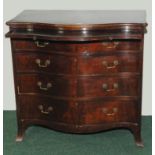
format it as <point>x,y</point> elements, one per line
<point>115,85</point>
<point>115,62</point>
<point>104,86</point>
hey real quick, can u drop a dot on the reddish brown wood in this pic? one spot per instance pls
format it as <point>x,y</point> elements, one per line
<point>83,58</point>
<point>31,45</point>
<point>52,110</point>
<point>109,46</point>
<point>101,64</point>
<point>58,64</point>
<point>94,87</point>
<point>98,112</point>
<point>28,84</point>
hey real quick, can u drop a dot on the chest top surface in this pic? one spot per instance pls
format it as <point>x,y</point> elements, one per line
<point>77,24</point>
<point>80,17</point>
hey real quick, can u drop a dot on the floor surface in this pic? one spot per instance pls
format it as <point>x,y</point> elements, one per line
<point>42,141</point>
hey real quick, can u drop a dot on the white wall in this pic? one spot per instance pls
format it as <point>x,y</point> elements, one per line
<point>14,7</point>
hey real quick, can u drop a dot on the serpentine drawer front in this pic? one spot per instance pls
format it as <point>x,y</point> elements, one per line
<point>78,71</point>
<point>40,62</point>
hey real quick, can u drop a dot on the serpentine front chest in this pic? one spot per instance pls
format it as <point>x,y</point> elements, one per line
<point>78,71</point>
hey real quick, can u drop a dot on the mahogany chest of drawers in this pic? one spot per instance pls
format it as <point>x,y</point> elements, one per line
<point>78,71</point>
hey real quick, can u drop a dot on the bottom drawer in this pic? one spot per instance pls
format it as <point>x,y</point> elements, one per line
<point>44,108</point>
<point>108,111</point>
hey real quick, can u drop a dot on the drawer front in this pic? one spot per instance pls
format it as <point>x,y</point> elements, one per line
<point>108,111</point>
<point>42,45</point>
<point>108,86</point>
<point>43,108</point>
<point>110,64</point>
<point>37,62</point>
<point>45,85</point>
<point>110,46</point>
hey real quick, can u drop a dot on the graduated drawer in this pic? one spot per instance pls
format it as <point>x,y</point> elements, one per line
<point>45,85</point>
<point>39,62</point>
<point>108,111</point>
<point>44,108</point>
<point>43,45</point>
<point>108,86</point>
<point>110,64</point>
<point>107,46</point>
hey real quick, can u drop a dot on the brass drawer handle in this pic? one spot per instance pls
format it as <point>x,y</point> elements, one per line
<point>105,87</point>
<point>49,85</point>
<point>110,45</point>
<point>47,63</point>
<point>115,63</point>
<point>49,109</point>
<point>41,44</point>
<point>111,113</point>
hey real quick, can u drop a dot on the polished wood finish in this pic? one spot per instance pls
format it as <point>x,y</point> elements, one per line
<point>29,63</point>
<point>98,112</point>
<point>115,63</point>
<point>79,76</point>
<point>110,46</point>
<point>38,83</point>
<point>45,108</point>
<point>31,45</point>
<point>108,86</point>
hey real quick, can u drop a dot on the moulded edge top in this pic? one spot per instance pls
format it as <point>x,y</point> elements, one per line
<point>78,19</point>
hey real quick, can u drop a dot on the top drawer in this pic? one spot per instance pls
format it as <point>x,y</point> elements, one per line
<point>107,46</point>
<point>41,45</point>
